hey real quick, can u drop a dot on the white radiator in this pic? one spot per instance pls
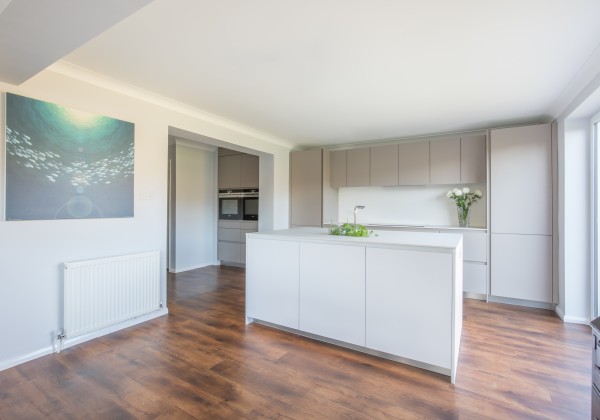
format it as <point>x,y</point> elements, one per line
<point>103,292</point>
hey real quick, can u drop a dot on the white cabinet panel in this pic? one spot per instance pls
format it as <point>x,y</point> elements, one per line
<point>521,180</point>
<point>475,246</point>
<point>522,267</point>
<point>475,278</point>
<point>413,163</point>
<point>444,158</point>
<point>409,285</point>
<point>332,291</point>
<point>268,300</point>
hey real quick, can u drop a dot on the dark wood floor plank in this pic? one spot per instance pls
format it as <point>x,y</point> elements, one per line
<point>202,362</point>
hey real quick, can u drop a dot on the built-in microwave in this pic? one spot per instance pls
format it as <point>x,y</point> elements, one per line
<point>238,204</point>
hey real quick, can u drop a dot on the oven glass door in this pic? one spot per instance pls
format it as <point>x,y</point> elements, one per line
<point>251,208</point>
<point>230,208</point>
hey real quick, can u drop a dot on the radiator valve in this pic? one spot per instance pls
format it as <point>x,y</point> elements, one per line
<point>62,335</point>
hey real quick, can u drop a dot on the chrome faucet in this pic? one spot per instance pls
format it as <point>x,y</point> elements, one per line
<point>357,208</point>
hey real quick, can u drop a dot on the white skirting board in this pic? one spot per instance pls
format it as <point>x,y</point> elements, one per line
<point>181,270</point>
<point>571,319</point>
<point>521,302</point>
<point>78,340</point>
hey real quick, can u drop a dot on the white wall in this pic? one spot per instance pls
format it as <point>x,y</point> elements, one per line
<point>32,252</point>
<point>419,205</point>
<point>195,218</point>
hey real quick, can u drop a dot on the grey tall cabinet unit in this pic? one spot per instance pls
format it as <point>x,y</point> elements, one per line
<point>312,200</point>
<point>521,213</point>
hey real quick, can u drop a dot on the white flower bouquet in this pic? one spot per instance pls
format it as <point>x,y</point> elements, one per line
<point>464,199</point>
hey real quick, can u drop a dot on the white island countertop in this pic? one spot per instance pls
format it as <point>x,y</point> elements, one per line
<point>380,238</point>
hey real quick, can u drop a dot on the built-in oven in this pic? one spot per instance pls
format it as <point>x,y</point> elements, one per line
<point>238,204</point>
<point>230,205</point>
<point>250,206</point>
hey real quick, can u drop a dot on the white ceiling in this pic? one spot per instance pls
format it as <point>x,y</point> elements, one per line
<point>322,72</point>
<point>36,33</point>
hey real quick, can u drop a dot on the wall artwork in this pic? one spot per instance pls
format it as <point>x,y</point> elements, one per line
<point>66,164</point>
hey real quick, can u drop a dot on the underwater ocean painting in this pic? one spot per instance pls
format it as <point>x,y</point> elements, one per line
<point>66,164</point>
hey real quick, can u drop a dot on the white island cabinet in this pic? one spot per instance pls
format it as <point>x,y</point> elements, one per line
<point>396,295</point>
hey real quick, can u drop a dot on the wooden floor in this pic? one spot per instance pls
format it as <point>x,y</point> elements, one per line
<point>203,362</point>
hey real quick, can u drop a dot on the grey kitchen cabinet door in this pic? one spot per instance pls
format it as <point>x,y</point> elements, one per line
<point>413,163</point>
<point>306,187</point>
<point>249,171</point>
<point>338,168</point>
<point>384,166</point>
<point>473,159</point>
<point>522,267</point>
<point>444,158</point>
<point>229,171</point>
<point>358,164</point>
<point>521,180</point>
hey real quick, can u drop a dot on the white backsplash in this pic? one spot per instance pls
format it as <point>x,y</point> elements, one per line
<point>420,205</point>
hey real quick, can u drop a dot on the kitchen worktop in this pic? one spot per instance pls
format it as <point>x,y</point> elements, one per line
<point>382,238</point>
<point>393,225</point>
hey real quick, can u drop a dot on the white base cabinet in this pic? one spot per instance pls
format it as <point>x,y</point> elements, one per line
<point>475,278</point>
<point>409,285</point>
<point>522,267</point>
<point>475,268</point>
<point>273,301</point>
<point>399,293</point>
<point>332,291</point>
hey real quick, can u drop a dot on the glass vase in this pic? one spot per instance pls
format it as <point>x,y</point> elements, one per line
<point>464,216</point>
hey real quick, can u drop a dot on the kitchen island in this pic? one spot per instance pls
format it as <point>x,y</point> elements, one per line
<point>396,295</point>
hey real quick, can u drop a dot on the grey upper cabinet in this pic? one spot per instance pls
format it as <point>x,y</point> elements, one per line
<point>521,180</point>
<point>239,170</point>
<point>384,165</point>
<point>306,183</point>
<point>249,171</point>
<point>358,164</point>
<point>229,171</point>
<point>227,152</point>
<point>444,158</point>
<point>338,168</point>
<point>473,159</point>
<point>452,160</point>
<point>413,163</point>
